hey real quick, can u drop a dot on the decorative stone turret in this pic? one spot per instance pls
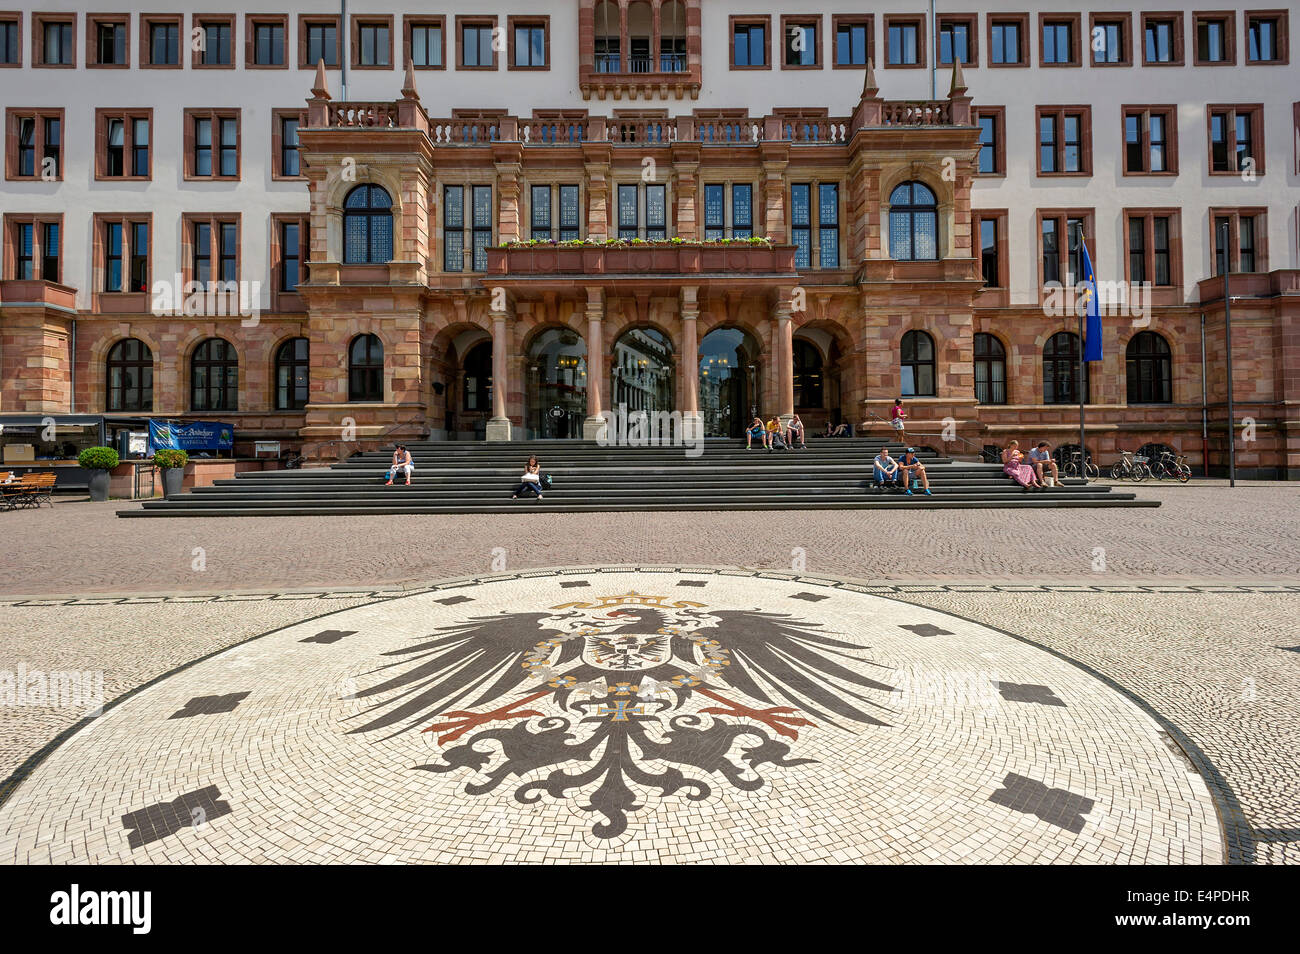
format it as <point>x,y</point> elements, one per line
<point>870,110</point>
<point>410,114</point>
<point>961,114</point>
<point>318,105</point>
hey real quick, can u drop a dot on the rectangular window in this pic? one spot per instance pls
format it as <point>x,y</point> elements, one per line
<point>1051,252</point>
<point>992,155</point>
<point>715,212</point>
<point>290,161</point>
<point>424,44</point>
<point>656,212</point>
<point>1005,38</point>
<point>476,46</point>
<point>628,208</point>
<point>989,264</point>
<point>10,46</point>
<point>290,256</point>
<point>453,228</point>
<point>1137,249</point>
<point>215,148</point>
<point>35,138</point>
<point>828,225</point>
<point>541,212</point>
<point>1246,243</point>
<point>109,44</point>
<point>903,44</point>
<point>216,43</point>
<point>56,41</point>
<point>1064,140</point>
<point>1265,36</point>
<point>372,44</point>
<point>1215,42</point>
<point>1236,139</point>
<point>318,40</point>
<point>481,227</point>
<point>113,252</point>
<point>1109,41</point>
<point>852,43</point>
<point>749,45</point>
<point>268,43</point>
<point>801,224</point>
<point>139,257</point>
<point>125,144</point>
<point>801,43</point>
<point>570,214</point>
<point>530,45</point>
<point>1245,228</point>
<point>1059,241</point>
<point>1149,140</point>
<point>164,43</point>
<point>742,211</point>
<point>50,235</point>
<point>24,251</point>
<point>1057,43</point>
<point>957,41</point>
<point>1160,41</point>
<point>717,225</point>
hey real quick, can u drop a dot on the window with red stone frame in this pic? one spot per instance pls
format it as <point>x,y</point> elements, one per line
<point>173,39</point>
<point>1233,133</point>
<point>121,270</point>
<point>530,25</point>
<point>266,39</point>
<point>124,144</point>
<point>1059,40</point>
<point>319,37</point>
<point>45,261</point>
<point>480,33</point>
<point>849,24</point>
<point>899,35</point>
<point>970,22</point>
<point>738,26</point>
<point>286,160</point>
<point>1278,23</point>
<point>11,39</point>
<point>992,157</point>
<point>1153,247</point>
<point>1064,135</point>
<point>288,260</point>
<point>370,40</point>
<point>796,26</point>
<point>108,48</point>
<point>220,253</point>
<point>1162,39</point>
<point>33,136</point>
<point>1150,140</point>
<point>1214,32</point>
<point>1247,238</point>
<point>992,249</point>
<point>219,36</point>
<point>208,156</point>
<point>67,44</point>
<point>424,42</point>
<point>1116,36</point>
<point>999,39</point>
<point>1062,262</point>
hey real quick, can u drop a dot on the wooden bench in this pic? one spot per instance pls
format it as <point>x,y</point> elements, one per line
<point>30,490</point>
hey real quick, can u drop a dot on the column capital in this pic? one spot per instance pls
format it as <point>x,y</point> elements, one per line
<point>595,301</point>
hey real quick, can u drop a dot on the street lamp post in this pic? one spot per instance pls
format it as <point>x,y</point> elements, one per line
<point>1227,346</point>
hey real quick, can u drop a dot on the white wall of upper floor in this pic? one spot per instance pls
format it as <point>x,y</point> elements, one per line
<point>256,196</point>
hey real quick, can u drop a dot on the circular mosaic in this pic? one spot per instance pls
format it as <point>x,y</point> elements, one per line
<point>591,716</point>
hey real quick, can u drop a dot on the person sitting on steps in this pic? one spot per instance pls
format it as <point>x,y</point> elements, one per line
<point>911,467</point>
<point>756,429</point>
<point>837,430</point>
<point>1040,458</point>
<point>794,430</point>
<point>531,481</point>
<point>401,461</point>
<point>885,470</point>
<point>774,432</point>
<point>1014,466</point>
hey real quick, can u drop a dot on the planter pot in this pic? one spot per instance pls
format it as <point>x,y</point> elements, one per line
<point>173,479</point>
<point>99,485</point>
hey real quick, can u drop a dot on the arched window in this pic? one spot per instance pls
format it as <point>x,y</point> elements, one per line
<point>214,376</point>
<point>1061,370</point>
<point>672,37</point>
<point>292,375</point>
<point>913,223</point>
<point>366,369</point>
<point>478,377</point>
<point>367,226</point>
<point>990,370</point>
<point>1150,369</point>
<point>130,376</point>
<point>917,354</point>
<point>808,377</point>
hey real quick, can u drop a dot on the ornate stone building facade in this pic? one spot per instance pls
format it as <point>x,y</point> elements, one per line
<point>434,266</point>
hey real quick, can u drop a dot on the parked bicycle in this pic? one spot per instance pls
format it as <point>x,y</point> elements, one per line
<point>1072,467</point>
<point>1129,467</point>
<point>1172,466</point>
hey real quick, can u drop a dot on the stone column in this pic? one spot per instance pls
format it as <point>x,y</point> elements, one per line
<point>785,360</point>
<point>498,427</point>
<point>692,422</point>
<point>593,428</point>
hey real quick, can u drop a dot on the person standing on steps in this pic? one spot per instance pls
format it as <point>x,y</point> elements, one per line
<point>910,466</point>
<point>531,481</point>
<point>401,461</point>
<point>897,417</point>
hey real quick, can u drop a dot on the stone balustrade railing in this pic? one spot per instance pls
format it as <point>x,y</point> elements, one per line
<point>927,113</point>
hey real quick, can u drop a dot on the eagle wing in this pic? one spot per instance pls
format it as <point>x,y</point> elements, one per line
<point>797,661</point>
<point>479,658</point>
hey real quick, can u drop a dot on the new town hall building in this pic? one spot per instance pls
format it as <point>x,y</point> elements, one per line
<point>822,211</point>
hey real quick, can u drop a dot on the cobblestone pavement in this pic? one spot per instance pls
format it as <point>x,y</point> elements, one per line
<point>625,716</point>
<point>1202,531</point>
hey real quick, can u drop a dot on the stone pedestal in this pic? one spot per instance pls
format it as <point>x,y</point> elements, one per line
<point>593,429</point>
<point>498,429</point>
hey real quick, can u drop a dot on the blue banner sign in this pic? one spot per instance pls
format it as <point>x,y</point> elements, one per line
<point>190,435</point>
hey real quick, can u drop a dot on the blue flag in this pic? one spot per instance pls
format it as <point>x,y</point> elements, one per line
<point>1092,336</point>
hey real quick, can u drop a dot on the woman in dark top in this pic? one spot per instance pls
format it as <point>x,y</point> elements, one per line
<point>531,481</point>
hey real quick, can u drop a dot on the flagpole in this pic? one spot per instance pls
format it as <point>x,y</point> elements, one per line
<point>1079,382</point>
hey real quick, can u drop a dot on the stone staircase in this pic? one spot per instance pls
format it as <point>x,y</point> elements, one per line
<point>463,477</point>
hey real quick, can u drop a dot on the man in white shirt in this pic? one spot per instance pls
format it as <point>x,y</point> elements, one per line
<point>401,461</point>
<point>885,469</point>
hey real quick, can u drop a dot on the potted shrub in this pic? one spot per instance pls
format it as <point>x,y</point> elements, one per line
<point>99,461</point>
<point>172,464</point>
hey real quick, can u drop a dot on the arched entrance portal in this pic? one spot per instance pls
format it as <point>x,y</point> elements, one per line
<point>729,382</point>
<point>557,385</point>
<point>817,375</point>
<point>641,374</point>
